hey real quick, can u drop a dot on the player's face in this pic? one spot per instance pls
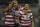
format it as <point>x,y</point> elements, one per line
<point>26,6</point>
<point>16,4</point>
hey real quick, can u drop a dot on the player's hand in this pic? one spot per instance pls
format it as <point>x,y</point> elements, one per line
<point>20,24</point>
<point>12,1</point>
<point>15,1</point>
<point>27,10</point>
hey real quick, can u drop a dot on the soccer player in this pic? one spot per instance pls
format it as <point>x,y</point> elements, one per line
<point>9,14</point>
<point>14,17</point>
<point>26,17</point>
<point>16,11</point>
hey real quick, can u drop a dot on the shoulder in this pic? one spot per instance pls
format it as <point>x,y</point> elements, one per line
<point>21,12</point>
<point>30,11</point>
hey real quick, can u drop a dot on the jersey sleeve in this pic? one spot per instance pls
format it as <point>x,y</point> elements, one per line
<point>31,15</point>
<point>19,14</point>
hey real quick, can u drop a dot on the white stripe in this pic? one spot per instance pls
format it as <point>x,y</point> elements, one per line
<point>21,12</point>
<point>9,23</point>
<point>9,16</point>
<point>32,17</point>
<point>5,13</point>
<point>26,18</point>
<point>10,19</point>
<point>22,8</point>
<point>18,14</point>
<point>25,21</point>
<point>24,24</point>
<point>30,13</point>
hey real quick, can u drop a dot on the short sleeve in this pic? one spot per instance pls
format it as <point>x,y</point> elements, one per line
<point>31,15</point>
<point>19,14</point>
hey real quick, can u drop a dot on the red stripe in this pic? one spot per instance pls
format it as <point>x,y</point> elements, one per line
<point>23,23</point>
<point>29,24</point>
<point>10,21</point>
<point>9,24</point>
<point>19,13</point>
<point>10,18</point>
<point>16,15</point>
<point>16,10</point>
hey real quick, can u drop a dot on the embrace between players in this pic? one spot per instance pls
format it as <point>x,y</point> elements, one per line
<point>19,14</point>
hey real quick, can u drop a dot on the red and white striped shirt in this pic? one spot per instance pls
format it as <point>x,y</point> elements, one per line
<point>16,11</point>
<point>25,18</point>
<point>21,8</point>
<point>10,20</point>
<point>16,14</point>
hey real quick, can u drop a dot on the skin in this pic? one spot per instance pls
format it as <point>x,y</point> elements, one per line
<point>16,5</point>
<point>26,10</point>
<point>26,6</point>
<point>13,3</point>
<point>10,5</point>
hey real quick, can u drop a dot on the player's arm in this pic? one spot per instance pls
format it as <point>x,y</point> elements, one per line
<point>32,19</point>
<point>19,20</point>
<point>10,5</point>
<point>32,22</point>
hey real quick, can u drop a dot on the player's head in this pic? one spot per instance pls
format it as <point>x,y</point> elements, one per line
<point>16,4</point>
<point>26,6</point>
